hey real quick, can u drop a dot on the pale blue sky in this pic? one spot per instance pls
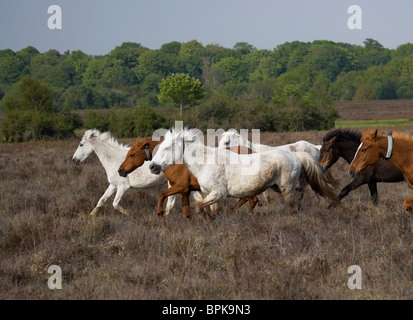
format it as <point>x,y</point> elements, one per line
<point>98,26</point>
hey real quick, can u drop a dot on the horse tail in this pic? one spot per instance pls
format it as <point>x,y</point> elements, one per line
<point>170,204</point>
<point>197,196</point>
<point>321,183</point>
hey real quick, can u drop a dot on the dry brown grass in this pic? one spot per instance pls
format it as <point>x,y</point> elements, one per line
<point>45,202</point>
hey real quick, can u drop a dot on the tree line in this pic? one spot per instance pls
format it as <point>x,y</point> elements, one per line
<point>237,81</point>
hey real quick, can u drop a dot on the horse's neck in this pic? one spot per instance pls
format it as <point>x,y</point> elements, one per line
<point>348,149</point>
<point>401,155</point>
<point>194,150</point>
<point>108,154</point>
<point>152,146</point>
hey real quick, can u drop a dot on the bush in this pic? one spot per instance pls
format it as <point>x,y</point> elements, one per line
<point>126,122</point>
<point>30,114</point>
<point>297,112</point>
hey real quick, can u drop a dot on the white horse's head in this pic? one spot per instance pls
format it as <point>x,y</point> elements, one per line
<point>230,138</point>
<point>85,147</point>
<point>171,150</point>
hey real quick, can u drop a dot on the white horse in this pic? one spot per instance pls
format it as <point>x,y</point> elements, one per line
<point>111,154</point>
<point>240,175</point>
<point>232,138</point>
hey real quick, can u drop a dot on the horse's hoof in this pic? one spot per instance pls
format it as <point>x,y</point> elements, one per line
<point>94,212</point>
<point>160,214</point>
<point>192,219</point>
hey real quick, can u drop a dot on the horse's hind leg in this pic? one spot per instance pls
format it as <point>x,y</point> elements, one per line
<point>238,204</point>
<point>119,194</point>
<point>211,198</point>
<point>251,200</point>
<point>109,191</point>
<point>288,194</point>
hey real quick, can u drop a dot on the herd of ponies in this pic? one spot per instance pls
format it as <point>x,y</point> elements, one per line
<point>239,168</point>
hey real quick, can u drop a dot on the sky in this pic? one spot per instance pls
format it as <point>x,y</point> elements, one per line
<point>98,26</point>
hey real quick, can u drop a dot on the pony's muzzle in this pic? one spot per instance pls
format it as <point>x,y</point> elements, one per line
<point>123,172</point>
<point>76,161</point>
<point>353,173</point>
<point>155,168</point>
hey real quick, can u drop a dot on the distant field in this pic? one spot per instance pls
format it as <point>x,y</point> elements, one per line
<point>373,123</point>
<point>375,110</point>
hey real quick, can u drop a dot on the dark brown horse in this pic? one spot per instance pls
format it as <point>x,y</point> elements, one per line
<point>344,143</point>
<point>181,180</point>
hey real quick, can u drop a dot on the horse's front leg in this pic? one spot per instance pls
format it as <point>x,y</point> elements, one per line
<point>408,204</point>
<point>169,192</point>
<point>185,205</point>
<point>373,192</point>
<point>109,191</point>
<point>357,182</point>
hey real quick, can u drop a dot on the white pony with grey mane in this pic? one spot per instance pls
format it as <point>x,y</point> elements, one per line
<point>111,154</point>
<point>232,138</point>
<point>240,175</point>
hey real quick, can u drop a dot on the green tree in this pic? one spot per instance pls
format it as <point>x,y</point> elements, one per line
<point>12,67</point>
<point>181,89</point>
<point>297,111</point>
<point>30,113</point>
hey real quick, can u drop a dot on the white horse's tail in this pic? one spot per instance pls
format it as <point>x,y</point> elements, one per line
<point>197,196</point>
<point>321,184</point>
<point>170,202</point>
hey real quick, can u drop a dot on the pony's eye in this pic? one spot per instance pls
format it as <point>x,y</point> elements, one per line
<point>132,155</point>
<point>227,143</point>
<point>364,149</point>
<point>81,145</point>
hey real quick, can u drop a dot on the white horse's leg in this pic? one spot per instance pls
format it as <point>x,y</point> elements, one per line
<point>119,193</point>
<point>197,196</point>
<point>288,192</point>
<point>213,197</point>
<point>265,197</point>
<point>109,191</point>
<point>170,204</point>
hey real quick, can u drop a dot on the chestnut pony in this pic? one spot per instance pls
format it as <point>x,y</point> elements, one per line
<point>396,148</point>
<point>343,143</point>
<point>181,180</point>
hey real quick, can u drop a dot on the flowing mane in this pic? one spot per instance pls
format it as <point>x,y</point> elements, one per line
<point>188,134</point>
<point>342,135</point>
<point>107,138</point>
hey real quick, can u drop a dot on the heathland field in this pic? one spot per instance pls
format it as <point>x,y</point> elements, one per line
<point>45,201</point>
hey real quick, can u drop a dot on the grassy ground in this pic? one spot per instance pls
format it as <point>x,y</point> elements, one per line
<point>270,253</point>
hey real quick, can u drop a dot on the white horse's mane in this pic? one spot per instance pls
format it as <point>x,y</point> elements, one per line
<point>229,132</point>
<point>188,134</point>
<point>106,137</point>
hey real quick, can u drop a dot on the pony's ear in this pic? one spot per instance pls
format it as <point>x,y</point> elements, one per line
<point>145,146</point>
<point>374,134</point>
